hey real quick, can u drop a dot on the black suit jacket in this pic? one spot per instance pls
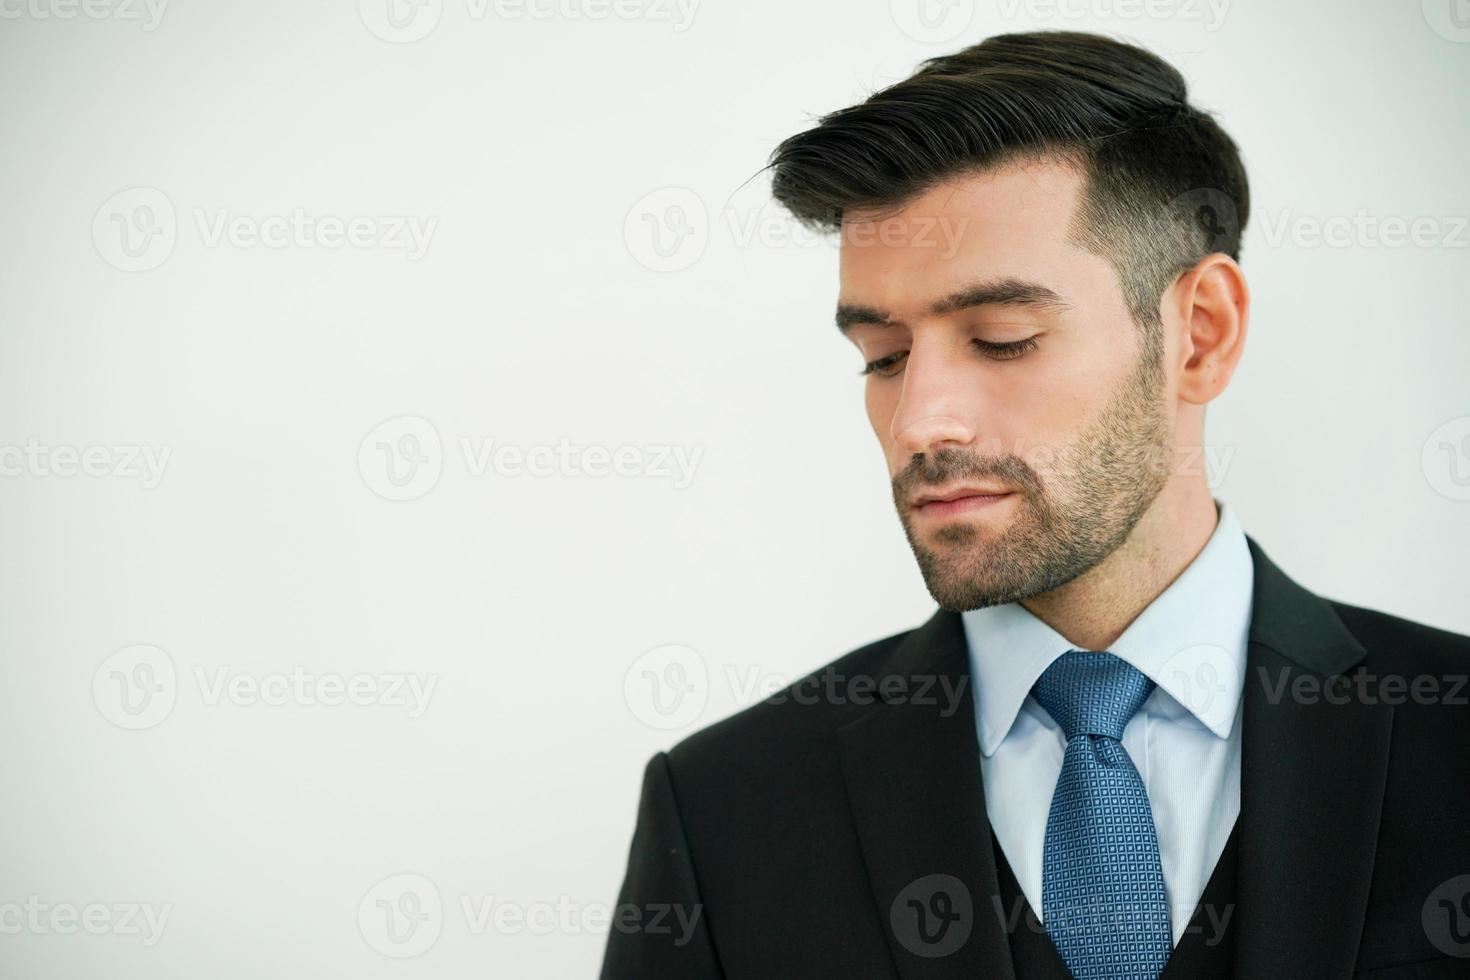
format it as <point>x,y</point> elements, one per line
<point>815,834</point>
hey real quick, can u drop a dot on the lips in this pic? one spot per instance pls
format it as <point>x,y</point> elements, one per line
<point>967,503</point>
<point>957,493</point>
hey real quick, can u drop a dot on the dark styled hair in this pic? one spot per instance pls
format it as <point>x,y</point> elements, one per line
<point>1164,183</point>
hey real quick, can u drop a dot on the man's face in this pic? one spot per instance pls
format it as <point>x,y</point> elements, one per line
<point>1005,361</point>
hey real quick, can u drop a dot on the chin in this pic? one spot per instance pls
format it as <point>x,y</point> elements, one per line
<point>958,592</point>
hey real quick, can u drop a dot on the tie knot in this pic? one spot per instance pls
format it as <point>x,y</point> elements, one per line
<point>1091,693</point>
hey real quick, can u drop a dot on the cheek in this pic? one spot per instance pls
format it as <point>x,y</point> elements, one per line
<point>1074,380</point>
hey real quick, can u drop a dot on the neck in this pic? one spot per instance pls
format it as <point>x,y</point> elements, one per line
<point>1094,609</point>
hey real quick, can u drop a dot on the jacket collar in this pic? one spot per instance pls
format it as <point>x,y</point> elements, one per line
<point>1312,777</point>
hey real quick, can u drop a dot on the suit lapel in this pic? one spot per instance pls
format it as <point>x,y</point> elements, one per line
<point>911,766</point>
<point>1312,778</point>
<point>1313,764</point>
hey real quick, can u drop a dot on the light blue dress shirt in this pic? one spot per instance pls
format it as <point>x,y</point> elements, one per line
<point>1185,740</point>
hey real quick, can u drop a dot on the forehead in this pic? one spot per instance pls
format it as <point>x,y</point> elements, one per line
<point>1011,221</point>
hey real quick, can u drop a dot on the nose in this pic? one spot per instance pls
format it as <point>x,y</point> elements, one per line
<point>932,407</point>
<point>931,433</point>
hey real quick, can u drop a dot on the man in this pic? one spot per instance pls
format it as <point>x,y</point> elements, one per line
<point>1127,744</point>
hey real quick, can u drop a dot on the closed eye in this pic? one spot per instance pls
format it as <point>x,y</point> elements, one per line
<point>1006,351</point>
<point>1010,350</point>
<point>881,366</point>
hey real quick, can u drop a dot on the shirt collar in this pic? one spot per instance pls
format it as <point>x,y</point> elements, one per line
<point>1190,641</point>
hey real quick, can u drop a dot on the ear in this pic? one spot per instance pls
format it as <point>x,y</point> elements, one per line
<point>1212,302</point>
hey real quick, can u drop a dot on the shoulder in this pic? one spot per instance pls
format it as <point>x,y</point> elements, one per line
<point>1403,645</point>
<point>774,770</point>
<point>805,712</point>
<point>1423,672</point>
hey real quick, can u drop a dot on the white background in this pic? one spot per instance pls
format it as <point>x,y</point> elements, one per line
<point>541,311</point>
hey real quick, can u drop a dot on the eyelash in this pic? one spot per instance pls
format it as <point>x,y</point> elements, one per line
<point>1001,352</point>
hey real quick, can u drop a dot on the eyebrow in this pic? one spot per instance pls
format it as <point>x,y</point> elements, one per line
<point>994,292</point>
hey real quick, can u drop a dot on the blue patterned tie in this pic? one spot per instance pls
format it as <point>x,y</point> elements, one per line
<point>1102,891</point>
